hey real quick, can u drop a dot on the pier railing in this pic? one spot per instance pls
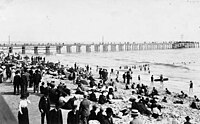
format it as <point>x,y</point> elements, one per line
<point>97,47</point>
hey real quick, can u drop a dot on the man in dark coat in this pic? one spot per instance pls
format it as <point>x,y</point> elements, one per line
<point>56,115</point>
<point>93,115</point>
<point>100,116</point>
<point>84,109</point>
<point>37,78</point>
<point>17,81</point>
<point>44,107</point>
<point>24,84</point>
<point>108,119</point>
<point>73,115</point>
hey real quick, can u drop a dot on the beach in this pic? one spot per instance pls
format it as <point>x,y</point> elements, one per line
<point>180,66</point>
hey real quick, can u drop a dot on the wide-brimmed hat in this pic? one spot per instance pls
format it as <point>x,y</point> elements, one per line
<point>134,112</point>
<point>187,118</point>
<point>132,99</point>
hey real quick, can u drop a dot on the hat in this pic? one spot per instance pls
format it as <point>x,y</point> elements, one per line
<point>134,112</point>
<point>94,106</point>
<point>132,99</point>
<point>109,110</point>
<point>24,96</point>
<point>187,118</point>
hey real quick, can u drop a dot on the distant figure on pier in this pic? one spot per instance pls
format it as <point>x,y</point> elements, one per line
<point>191,88</point>
<point>138,77</point>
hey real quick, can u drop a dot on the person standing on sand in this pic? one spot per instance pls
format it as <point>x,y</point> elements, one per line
<point>24,83</point>
<point>44,107</point>
<point>73,115</point>
<point>128,77</point>
<point>16,82</point>
<point>84,109</point>
<point>37,78</point>
<point>56,115</point>
<point>23,117</point>
<point>191,88</point>
<point>108,119</point>
<point>187,118</point>
<point>152,78</point>
<point>124,77</point>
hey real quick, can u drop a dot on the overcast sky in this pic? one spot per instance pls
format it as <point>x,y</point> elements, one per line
<point>90,20</point>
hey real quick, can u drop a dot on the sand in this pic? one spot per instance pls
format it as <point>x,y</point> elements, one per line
<point>182,110</point>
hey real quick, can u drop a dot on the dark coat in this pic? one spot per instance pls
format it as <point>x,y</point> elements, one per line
<point>93,115</point>
<point>102,99</point>
<point>56,116</point>
<point>17,80</point>
<point>37,78</point>
<point>24,81</point>
<point>44,104</point>
<point>100,117</point>
<point>107,121</point>
<point>93,97</point>
<point>73,118</point>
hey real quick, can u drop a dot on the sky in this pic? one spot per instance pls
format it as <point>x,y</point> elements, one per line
<point>70,21</point>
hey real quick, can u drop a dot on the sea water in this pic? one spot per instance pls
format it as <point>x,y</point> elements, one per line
<point>179,65</point>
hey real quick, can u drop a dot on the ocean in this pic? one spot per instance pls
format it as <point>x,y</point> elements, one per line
<point>179,65</point>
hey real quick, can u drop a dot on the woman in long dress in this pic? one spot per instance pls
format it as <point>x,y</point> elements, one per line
<point>23,110</point>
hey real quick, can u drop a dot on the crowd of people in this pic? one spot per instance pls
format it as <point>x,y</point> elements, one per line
<point>28,74</point>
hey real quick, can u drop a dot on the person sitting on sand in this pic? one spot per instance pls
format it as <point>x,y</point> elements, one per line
<point>167,91</point>
<point>134,115</point>
<point>80,89</point>
<point>92,83</point>
<point>196,99</point>
<point>156,112</point>
<point>187,118</point>
<point>102,98</point>
<point>182,95</point>
<point>142,108</point>
<point>100,84</point>
<point>193,105</point>
<point>93,115</point>
<point>92,96</point>
<point>154,92</point>
<point>110,94</point>
<point>164,99</point>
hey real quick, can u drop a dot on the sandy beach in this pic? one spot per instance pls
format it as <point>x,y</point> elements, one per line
<point>182,110</point>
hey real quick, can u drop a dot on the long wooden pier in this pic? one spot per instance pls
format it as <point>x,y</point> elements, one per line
<point>97,47</point>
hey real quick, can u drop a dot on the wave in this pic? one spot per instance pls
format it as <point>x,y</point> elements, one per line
<point>171,65</point>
